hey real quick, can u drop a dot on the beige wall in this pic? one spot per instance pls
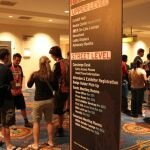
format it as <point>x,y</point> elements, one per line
<point>43,38</point>
<point>130,49</point>
<point>37,40</point>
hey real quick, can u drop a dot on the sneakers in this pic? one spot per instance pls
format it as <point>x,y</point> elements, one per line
<point>1,143</point>
<point>28,124</point>
<point>147,120</point>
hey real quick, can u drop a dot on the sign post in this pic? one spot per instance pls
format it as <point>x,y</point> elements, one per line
<point>96,44</point>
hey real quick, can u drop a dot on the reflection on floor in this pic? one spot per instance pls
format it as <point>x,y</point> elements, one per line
<point>135,133</point>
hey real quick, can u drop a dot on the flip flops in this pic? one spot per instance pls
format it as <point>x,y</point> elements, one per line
<point>31,147</point>
<point>47,144</point>
<point>14,148</point>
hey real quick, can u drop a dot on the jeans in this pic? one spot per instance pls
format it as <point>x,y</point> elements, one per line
<point>124,104</point>
<point>136,100</point>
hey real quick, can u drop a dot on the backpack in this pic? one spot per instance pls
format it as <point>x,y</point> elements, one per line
<point>64,81</point>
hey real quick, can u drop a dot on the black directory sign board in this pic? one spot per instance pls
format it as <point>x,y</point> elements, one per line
<point>96,29</point>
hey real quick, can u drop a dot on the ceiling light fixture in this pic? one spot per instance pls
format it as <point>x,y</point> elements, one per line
<point>128,38</point>
<point>66,11</point>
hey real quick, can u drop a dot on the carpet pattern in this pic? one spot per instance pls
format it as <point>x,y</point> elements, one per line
<point>135,133</point>
<point>22,136</point>
<point>136,128</point>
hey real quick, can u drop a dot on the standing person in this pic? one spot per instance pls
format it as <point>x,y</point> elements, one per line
<point>125,83</point>
<point>17,90</point>
<point>138,80</point>
<point>61,86</point>
<point>147,69</point>
<point>7,110</point>
<point>140,54</point>
<point>147,65</point>
<point>43,101</point>
<point>67,105</point>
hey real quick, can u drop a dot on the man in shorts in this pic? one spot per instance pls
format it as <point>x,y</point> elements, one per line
<point>7,110</point>
<point>17,90</point>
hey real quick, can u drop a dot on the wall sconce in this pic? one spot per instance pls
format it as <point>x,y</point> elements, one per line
<point>26,53</point>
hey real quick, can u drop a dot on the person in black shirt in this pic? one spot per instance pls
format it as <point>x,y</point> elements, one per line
<point>43,100</point>
<point>61,86</point>
<point>140,54</point>
<point>7,110</point>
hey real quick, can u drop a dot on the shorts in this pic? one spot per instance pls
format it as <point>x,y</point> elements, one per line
<point>19,102</point>
<point>7,117</point>
<point>59,102</point>
<point>44,107</point>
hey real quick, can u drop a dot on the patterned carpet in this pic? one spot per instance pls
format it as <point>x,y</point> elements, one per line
<point>22,137</point>
<point>135,133</point>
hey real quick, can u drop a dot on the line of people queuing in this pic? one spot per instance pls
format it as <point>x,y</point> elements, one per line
<point>136,79</point>
<point>51,95</point>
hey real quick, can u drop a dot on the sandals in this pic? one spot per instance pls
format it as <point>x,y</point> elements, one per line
<point>14,148</point>
<point>49,144</point>
<point>31,147</point>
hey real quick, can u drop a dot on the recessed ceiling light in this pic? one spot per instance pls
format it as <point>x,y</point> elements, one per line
<point>50,20</point>
<point>10,16</point>
<point>66,11</point>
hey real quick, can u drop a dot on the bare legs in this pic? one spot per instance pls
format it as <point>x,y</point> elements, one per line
<point>50,133</point>
<point>27,123</point>
<point>36,132</point>
<point>6,134</point>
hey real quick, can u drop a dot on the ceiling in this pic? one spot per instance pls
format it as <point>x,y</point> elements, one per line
<point>50,13</point>
<point>47,13</point>
<point>136,15</point>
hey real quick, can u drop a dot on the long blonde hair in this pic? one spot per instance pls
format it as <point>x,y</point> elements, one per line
<point>44,72</point>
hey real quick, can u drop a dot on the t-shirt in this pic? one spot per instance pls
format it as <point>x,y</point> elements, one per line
<point>138,78</point>
<point>61,76</point>
<point>137,58</point>
<point>5,78</point>
<point>18,77</point>
<point>124,70</point>
<point>42,90</point>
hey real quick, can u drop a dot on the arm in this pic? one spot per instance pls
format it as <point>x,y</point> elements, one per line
<point>31,81</point>
<point>21,73</point>
<point>11,78</point>
<point>145,77</point>
<point>56,76</point>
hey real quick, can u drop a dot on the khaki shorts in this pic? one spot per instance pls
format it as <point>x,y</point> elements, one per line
<point>43,107</point>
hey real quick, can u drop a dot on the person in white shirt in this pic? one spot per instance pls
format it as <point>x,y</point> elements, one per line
<point>138,81</point>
